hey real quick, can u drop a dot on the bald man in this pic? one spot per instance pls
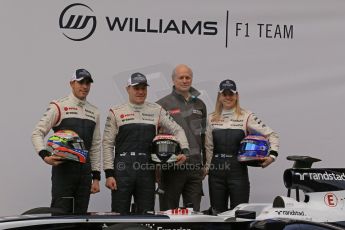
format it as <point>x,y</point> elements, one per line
<point>190,113</point>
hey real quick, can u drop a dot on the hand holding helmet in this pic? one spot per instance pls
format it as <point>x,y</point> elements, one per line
<point>53,160</point>
<point>66,145</point>
<point>267,161</point>
<point>181,158</point>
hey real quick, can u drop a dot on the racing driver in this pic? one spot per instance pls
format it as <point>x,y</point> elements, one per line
<point>131,128</point>
<point>226,127</point>
<point>72,182</point>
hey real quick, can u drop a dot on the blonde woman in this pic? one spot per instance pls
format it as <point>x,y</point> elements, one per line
<point>226,127</point>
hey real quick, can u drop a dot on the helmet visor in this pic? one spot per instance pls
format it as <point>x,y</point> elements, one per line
<point>164,151</point>
<point>166,146</point>
<point>76,143</point>
<point>251,146</point>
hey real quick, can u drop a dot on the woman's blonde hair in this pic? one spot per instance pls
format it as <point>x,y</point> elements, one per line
<point>219,107</point>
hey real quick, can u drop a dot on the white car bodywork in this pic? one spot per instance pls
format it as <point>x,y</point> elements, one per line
<point>323,204</point>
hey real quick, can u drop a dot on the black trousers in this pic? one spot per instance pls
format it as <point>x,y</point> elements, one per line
<point>139,186</point>
<point>175,183</point>
<point>71,186</point>
<point>221,188</point>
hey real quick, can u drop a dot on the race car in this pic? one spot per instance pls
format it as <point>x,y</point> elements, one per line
<point>322,208</point>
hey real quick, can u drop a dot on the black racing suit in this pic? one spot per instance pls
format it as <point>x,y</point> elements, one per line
<point>131,129</point>
<point>71,181</point>
<point>227,177</point>
<point>185,180</point>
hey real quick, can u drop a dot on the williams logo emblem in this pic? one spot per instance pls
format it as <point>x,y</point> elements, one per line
<point>75,22</point>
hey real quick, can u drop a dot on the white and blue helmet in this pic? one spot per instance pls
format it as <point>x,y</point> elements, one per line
<point>253,149</point>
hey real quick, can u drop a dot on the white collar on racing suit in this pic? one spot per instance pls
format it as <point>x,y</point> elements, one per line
<point>228,111</point>
<point>136,106</point>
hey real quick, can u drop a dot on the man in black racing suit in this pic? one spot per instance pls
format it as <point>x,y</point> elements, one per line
<point>72,182</point>
<point>131,128</point>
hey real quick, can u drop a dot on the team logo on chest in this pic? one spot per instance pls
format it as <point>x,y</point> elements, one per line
<point>198,112</point>
<point>127,117</point>
<point>236,123</point>
<point>174,111</point>
<point>70,110</point>
<point>147,116</point>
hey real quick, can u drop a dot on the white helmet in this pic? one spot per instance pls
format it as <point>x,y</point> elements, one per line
<point>165,148</point>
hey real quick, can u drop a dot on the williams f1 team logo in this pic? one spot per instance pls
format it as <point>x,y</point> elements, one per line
<point>76,22</point>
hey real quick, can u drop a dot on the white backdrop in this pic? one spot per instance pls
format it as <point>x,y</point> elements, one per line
<point>287,58</point>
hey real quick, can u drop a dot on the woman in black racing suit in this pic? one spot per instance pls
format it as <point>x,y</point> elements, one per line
<point>226,127</point>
